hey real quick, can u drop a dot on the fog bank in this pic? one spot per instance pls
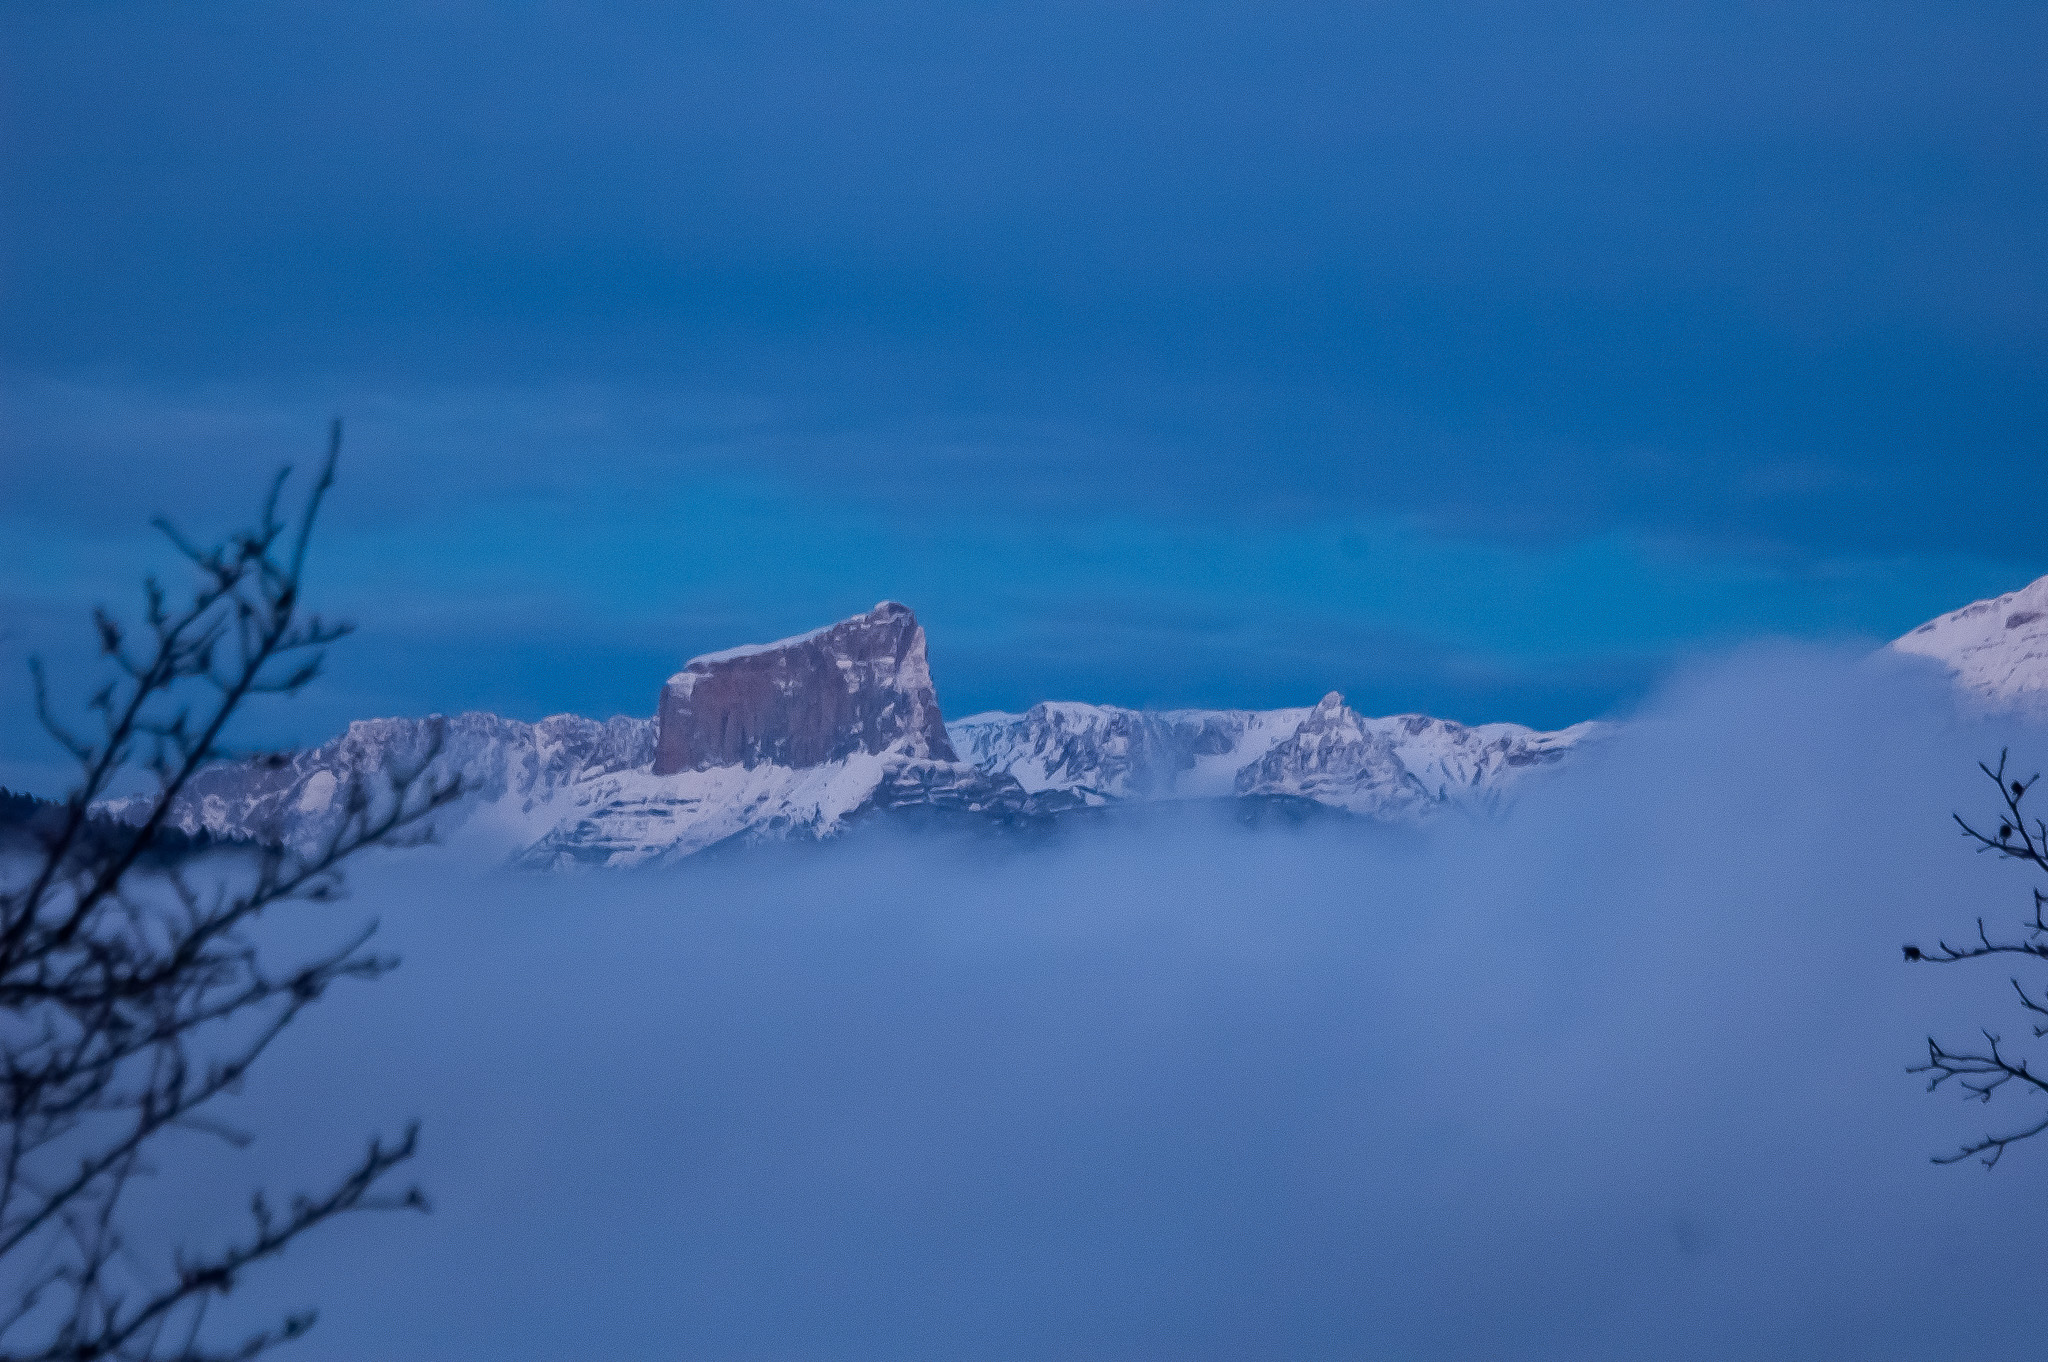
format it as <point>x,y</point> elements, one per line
<point>1619,1074</point>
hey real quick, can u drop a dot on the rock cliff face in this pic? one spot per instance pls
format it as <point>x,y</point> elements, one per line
<point>780,740</point>
<point>862,685</point>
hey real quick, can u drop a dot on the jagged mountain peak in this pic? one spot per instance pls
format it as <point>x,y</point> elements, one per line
<point>1331,714</point>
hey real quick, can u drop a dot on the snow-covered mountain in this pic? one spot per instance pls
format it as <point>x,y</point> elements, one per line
<point>514,771</point>
<point>1101,753</point>
<point>1398,767</point>
<point>1997,649</point>
<point>790,739</point>
<point>804,737</point>
<point>1404,766</point>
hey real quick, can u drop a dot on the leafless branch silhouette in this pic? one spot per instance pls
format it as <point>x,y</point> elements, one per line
<point>1984,1071</point>
<point>133,992</point>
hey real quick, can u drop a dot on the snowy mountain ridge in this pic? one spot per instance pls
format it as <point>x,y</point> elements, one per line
<point>572,791</point>
<point>1397,766</point>
<point>511,768</point>
<point>805,737</point>
<point>802,738</point>
<point>1103,753</point>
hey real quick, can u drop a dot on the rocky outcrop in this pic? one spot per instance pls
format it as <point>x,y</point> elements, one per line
<point>862,685</point>
<point>1334,758</point>
<point>1402,766</point>
<point>1997,648</point>
<point>792,739</point>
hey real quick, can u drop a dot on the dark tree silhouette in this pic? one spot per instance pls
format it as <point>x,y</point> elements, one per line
<point>1984,1071</point>
<point>133,992</point>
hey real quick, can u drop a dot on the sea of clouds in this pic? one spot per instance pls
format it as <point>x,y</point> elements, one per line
<point>1618,1074</point>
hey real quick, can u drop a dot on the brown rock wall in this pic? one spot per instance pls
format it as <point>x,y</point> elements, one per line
<point>862,685</point>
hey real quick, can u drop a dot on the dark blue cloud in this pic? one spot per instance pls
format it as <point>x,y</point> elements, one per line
<point>1754,284</point>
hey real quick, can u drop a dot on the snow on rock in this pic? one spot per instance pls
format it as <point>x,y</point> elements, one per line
<point>638,818</point>
<point>1997,649</point>
<point>1403,766</point>
<point>1333,758</point>
<point>789,739</point>
<point>1390,767</point>
<point>1101,753</point>
<point>505,763</point>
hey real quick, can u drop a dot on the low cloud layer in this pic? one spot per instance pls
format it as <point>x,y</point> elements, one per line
<point>1617,1075</point>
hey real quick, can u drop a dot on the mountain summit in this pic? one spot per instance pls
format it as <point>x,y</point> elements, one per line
<point>802,737</point>
<point>861,685</point>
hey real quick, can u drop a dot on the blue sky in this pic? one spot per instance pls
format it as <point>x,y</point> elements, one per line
<point>1470,358</point>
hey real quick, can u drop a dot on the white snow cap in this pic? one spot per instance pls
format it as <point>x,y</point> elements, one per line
<point>1997,648</point>
<point>755,649</point>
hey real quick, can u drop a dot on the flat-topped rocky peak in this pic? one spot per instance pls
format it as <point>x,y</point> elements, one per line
<point>861,685</point>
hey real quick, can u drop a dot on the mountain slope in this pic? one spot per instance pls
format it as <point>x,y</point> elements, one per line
<point>1397,767</point>
<point>1404,765</point>
<point>1997,648</point>
<point>513,769</point>
<point>1099,753</point>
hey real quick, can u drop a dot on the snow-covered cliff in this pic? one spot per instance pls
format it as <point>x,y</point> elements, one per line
<point>1101,753</point>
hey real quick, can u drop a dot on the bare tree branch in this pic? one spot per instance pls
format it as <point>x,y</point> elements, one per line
<point>1982,1073</point>
<point>132,995</point>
